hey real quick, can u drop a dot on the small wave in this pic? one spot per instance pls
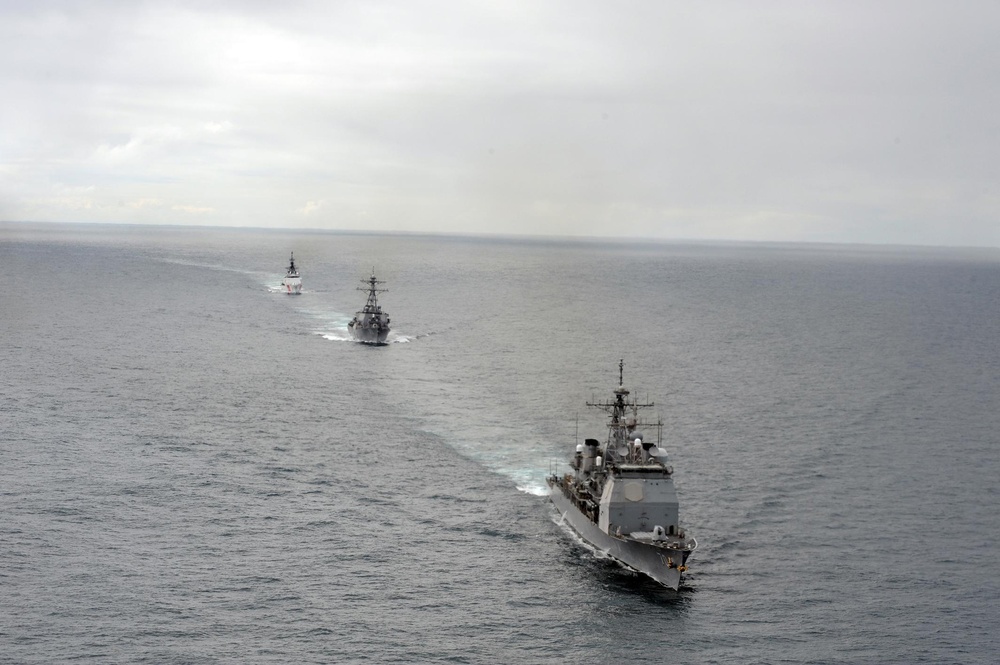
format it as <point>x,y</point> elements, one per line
<point>400,338</point>
<point>530,480</point>
<point>282,290</point>
<point>332,324</point>
<point>334,337</point>
<point>344,336</point>
<point>457,499</point>
<point>534,489</point>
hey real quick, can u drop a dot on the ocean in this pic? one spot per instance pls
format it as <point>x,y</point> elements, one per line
<point>198,468</point>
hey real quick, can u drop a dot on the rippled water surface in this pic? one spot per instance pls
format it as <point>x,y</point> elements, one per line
<point>198,468</point>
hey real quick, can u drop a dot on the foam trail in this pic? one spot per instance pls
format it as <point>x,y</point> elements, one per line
<point>332,324</point>
<point>336,338</point>
<point>529,481</point>
<point>210,266</point>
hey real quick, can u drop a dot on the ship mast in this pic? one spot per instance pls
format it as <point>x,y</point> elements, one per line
<point>622,427</point>
<point>372,289</point>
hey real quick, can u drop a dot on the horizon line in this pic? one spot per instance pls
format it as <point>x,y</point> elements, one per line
<point>510,236</point>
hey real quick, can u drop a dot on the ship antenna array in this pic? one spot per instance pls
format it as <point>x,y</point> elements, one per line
<point>371,282</point>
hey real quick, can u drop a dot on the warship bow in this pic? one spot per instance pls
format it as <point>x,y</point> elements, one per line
<point>370,325</point>
<point>620,495</point>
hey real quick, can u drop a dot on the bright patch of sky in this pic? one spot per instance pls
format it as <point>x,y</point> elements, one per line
<point>869,122</point>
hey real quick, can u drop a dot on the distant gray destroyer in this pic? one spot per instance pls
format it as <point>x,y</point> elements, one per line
<point>620,495</point>
<point>370,325</point>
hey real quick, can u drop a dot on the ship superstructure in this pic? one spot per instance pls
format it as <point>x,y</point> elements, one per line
<point>620,494</point>
<point>370,325</point>
<point>292,281</point>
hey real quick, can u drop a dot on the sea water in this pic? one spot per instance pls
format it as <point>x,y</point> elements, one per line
<point>198,468</point>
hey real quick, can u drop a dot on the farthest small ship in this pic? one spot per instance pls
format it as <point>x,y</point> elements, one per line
<point>620,496</point>
<point>292,281</point>
<point>370,325</point>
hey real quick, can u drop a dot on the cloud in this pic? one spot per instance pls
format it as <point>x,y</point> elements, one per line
<point>140,143</point>
<point>218,127</point>
<point>71,203</point>
<point>781,121</point>
<point>193,210</point>
<point>139,204</point>
<point>310,207</point>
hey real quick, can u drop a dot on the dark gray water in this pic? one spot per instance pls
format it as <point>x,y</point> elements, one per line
<point>196,468</point>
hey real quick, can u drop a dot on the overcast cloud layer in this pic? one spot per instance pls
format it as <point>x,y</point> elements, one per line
<point>802,121</point>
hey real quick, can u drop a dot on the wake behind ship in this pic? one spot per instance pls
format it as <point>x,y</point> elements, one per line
<point>370,325</point>
<point>620,496</point>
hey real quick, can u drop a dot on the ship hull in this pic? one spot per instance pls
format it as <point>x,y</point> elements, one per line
<point>369,335</point>
<point>647,559</point>
<point>293,287</point>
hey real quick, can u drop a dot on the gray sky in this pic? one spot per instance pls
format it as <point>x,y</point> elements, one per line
<point>835,121</point>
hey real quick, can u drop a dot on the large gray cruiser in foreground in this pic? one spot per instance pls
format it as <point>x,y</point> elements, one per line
<point>370,325</point>
<point>620,495</point>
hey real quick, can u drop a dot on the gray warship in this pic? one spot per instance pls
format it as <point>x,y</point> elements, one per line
<point>620,495</point>
<point>370,325</point>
